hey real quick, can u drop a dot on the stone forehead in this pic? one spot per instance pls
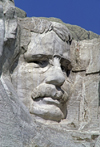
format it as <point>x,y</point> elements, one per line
<point>45,38</point>
<point>47,43</point>
<point>40,26</point>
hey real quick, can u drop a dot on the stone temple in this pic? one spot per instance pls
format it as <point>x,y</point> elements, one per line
<point>49,82</point>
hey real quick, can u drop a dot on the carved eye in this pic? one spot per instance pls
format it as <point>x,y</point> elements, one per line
<point>42,63</point>
<point>37,62</point>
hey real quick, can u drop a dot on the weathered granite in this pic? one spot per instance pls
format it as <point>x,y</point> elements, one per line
<point>78,33</point>
<point>85,56</point>
<point>20,13</point>
<point>72,80</point>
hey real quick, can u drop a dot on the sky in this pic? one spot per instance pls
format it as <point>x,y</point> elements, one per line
<point>84,13</point>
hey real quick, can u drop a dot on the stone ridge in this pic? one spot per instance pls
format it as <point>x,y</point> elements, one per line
<point>20,13</point>
<point>77,32</point>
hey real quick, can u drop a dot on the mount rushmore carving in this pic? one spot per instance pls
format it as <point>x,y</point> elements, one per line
<point>47,78</point>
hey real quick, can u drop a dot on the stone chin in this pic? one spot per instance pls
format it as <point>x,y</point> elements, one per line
<point>48,109</point>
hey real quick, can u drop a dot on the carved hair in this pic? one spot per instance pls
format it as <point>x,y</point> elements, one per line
<point>40,25</point>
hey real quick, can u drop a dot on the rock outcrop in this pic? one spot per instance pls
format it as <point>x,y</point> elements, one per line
<point>49,82</point>
<point>77,32</point>
<point>20,13</point>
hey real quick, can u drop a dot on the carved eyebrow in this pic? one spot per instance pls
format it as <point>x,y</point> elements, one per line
<point>41,56</point>
<point>37,57</point>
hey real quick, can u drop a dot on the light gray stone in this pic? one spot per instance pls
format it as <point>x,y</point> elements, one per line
<point>49,84</point>
<point>77,32</point>
<point>86,55</point>
<point>46,52</point>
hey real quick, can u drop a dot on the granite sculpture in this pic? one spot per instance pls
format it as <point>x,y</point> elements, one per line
<point>42,68</point>
<point>49,84</point>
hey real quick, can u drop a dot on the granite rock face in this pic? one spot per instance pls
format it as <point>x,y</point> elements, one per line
<point>85,56</point>
<point>49,83</point>
<point>77,32</point>
<point>20,13</point>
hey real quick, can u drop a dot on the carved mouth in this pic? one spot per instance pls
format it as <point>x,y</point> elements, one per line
<point>49,102</point>
<point>49,91</point>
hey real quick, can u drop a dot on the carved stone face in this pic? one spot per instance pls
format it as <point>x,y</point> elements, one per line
<point>40,76</point>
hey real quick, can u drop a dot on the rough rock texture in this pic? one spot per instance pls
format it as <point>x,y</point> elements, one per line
<point>85,55</point>
<point>77,32</point>
<point>41,69</point>
<point>18,129</point>
<point>20,13</point>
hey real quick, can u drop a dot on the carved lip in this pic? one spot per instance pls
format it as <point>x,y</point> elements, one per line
<point>47,101</point>
<point>49,91</point>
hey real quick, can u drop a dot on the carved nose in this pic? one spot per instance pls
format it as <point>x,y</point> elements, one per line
<point>55,77</point>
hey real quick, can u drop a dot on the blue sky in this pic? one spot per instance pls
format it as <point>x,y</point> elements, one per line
<point>84,13</point>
